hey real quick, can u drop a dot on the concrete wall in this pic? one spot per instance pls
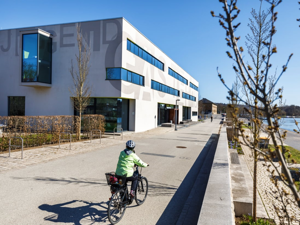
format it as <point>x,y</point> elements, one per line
<point>217,207</point>
<point>104,38</point>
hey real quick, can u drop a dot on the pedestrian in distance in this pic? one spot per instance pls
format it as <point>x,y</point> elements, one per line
<point>211,118</point>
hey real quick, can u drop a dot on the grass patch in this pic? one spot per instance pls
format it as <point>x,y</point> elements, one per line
<point>248,220</point>
<point>297,183</point>
<point>239,149</point>
<point>295,154</point>
<point>244,126</point>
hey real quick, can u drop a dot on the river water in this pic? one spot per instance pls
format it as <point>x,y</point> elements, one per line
<point>288,123</point>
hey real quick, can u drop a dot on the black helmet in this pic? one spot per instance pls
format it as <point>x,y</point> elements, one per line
<point>130,145</point>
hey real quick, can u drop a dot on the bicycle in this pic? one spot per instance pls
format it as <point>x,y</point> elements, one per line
<point>120,198</point>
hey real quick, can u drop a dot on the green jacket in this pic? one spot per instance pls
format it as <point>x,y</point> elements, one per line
<point>127,159</point>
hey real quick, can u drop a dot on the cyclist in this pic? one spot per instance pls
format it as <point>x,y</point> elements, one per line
<point>127,160</point>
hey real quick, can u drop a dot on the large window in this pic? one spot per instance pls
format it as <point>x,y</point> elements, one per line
<point>177,76</point>
<point>193,86</point>
<point>122,74</point>
<point>115,111</point>
<point>164,88</point>
<point>16,106</point>
<point>186,113</point>
<point>137,50</point>
<point>37,58</point>
<point>189,97</point>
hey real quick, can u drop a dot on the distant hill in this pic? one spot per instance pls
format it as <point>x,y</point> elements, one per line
<point>290,110</point>
<point>287,110</point>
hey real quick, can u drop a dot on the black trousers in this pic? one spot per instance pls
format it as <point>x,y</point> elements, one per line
<point>133,179</point>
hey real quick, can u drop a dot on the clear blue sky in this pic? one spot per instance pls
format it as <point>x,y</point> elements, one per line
<point>184,30</point>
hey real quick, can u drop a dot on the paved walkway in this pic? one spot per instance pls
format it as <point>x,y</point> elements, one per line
<point>50,152</point>
<point>65,186</point>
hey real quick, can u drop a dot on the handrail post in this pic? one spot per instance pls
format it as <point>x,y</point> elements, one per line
<point>22,148</point>
<point>100,136</point>
<point>70,140</point>
<point>9,147</point>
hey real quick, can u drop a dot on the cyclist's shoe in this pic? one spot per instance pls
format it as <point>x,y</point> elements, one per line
<point>132,193</point>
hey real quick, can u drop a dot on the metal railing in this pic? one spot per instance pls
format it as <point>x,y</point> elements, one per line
<point>117,130</point>
<point>93,134</point>
<point>16,146</point>
<point>65,139</point>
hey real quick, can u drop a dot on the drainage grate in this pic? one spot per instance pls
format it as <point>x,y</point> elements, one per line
<point>180,147</point>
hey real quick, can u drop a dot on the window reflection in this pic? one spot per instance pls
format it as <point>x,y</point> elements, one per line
<point>122,74</point>
<point>164,88</point>
<point>135,49</point>
<point>115,111</point>
<point>37,58</point>
<point>177,76</point>
<point>30,51</point>
<point>193,86</point>
<point>189,97</point>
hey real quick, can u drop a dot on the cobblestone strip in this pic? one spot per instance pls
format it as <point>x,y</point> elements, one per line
<point>266,188</point>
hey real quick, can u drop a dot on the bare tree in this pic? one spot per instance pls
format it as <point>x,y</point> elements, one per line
<point>256,82</point>
<point>81,90</point>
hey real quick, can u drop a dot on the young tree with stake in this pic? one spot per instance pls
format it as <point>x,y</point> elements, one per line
<point>81,90</point>
<point>255,81</point>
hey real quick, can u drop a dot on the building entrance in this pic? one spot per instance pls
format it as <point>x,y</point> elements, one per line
<point>165,113</point>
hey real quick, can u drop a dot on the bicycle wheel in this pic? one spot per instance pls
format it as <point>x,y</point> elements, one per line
<point>116,208</point>
<point>141,191</point>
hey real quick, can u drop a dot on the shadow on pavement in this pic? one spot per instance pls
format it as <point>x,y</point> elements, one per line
<point>161,155</point>
<point>76,212</point>
<point>173,211</point>
<point>160,189</point>
<point>64,181</point>
<point>175,139</point>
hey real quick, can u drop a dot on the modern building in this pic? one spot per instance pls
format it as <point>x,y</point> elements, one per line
<point>134,84</point>
<point>206,106</point>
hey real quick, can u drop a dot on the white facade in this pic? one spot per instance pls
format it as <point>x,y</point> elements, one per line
<point>108,42</point>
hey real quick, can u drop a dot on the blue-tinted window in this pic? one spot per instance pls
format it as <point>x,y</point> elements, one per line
<point>122,74</point>
<point>144,55</point>
<point>177,76</point>
<point>113,73</point>
<point>129,76</point>
<point>164,88</point>
<point>193,86</point>
<point>128,45</point>
<point>30,55</point>
<point>37,58</point>
<point>189,97</point>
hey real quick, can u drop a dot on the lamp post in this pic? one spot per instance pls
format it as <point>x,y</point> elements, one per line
<point>176,112</point>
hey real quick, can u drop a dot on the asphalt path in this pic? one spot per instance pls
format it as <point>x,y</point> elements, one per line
<point>73,189</point>
<point>293,139</point>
